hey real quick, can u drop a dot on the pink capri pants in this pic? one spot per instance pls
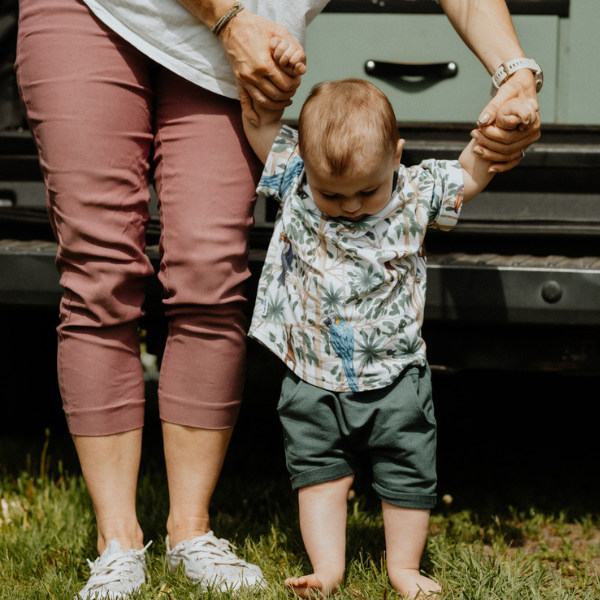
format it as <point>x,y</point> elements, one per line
<point>103,115</point>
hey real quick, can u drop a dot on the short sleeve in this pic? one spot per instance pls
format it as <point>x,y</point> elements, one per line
<point>282,167</point>
<point>447,191</point>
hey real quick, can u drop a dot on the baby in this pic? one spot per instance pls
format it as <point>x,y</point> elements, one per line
<point>340,301</point>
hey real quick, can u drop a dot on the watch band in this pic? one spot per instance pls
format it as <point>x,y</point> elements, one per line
<point>507,69</point>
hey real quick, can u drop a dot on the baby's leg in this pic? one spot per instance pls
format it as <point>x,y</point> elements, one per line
<point>405,538</point>
<point>323,509</point>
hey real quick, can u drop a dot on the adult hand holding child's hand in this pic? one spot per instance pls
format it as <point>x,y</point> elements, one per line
<point>250,41</point>
<point>510,122</point>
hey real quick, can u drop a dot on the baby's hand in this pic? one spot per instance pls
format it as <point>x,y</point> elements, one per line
<point>517,113</point>
<point>289,56</point>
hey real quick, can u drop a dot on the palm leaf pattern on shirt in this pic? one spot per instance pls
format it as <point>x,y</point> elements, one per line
<point>370,274</point>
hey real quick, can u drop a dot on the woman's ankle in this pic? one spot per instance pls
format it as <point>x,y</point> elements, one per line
<point>129,536</point>
<point>186,528</point>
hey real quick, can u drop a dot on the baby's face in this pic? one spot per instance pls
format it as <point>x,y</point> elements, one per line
<point>355,196</point>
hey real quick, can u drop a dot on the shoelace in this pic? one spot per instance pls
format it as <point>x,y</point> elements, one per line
<point>112,571</point>
<point>218,550</point>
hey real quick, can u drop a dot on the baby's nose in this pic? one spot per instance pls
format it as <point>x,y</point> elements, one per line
<point>351,205</point>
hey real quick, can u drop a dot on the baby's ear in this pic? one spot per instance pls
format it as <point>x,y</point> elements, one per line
<point>398,154</point>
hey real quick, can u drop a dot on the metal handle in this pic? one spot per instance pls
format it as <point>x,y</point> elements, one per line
<point>390,69</point>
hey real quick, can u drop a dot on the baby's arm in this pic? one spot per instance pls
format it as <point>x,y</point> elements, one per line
<point>475,168</point>
<point>262,135</point>
<point>291,58</point>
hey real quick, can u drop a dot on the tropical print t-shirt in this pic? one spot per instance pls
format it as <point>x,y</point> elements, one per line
<point>341,302</point>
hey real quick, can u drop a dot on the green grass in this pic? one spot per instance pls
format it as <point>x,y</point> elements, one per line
<point>47,531</point>
<point>523,523</point>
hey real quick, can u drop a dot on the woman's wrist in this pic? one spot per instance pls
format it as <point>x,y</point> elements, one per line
<point>225,20</point>
<point>208,11</point>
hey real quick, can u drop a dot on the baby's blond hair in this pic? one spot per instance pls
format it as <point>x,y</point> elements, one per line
<point>344,122</point>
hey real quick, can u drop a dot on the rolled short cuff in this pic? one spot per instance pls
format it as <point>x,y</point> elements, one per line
<point>198,414</point>
<point>404,500</point>
<point>107,420</point>
<point>321,475</point>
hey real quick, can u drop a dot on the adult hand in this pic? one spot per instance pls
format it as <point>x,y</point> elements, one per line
<point>510,122</point>
<point>261,80</point>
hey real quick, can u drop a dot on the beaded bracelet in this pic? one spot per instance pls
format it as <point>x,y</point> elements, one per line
<point>222,22</point>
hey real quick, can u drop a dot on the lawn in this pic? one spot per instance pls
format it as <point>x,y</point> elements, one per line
<point>517,517</point>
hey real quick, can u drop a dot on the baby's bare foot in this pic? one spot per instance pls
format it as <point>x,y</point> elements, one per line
<point>409,583</point>
<point>307,585</point>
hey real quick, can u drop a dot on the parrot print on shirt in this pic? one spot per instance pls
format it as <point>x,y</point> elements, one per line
<point>287,258</point>
<point>342,340</point>
<point>282,181</point>
<point>343,307</point>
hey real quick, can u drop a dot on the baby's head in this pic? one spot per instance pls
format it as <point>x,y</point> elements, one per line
<point>348,138</point>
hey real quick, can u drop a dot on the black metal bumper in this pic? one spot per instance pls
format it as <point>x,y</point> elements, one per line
<point>515,285</point>
<point>465,288</point>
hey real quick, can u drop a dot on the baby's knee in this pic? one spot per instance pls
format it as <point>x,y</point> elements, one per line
<point>333,489</point>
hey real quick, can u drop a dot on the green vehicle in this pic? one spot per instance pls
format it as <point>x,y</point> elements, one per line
<point>516,285</point>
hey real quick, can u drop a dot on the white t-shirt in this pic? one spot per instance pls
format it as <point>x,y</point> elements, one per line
<point>341,302</point>
<point>170,35</point>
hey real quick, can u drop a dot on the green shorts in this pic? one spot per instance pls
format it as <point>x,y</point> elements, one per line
<point>325,431</point>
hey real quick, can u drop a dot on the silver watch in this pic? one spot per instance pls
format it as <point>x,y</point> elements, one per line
<point>508,68</point>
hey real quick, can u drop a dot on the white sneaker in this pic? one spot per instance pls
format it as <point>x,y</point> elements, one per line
<point>116,573</point>
<point>211,562</point>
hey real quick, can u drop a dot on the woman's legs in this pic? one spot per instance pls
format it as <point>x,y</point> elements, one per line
<point>110,465</point>
<point>206,175</point>
<point>89,103</point>
<point>194,458</point>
